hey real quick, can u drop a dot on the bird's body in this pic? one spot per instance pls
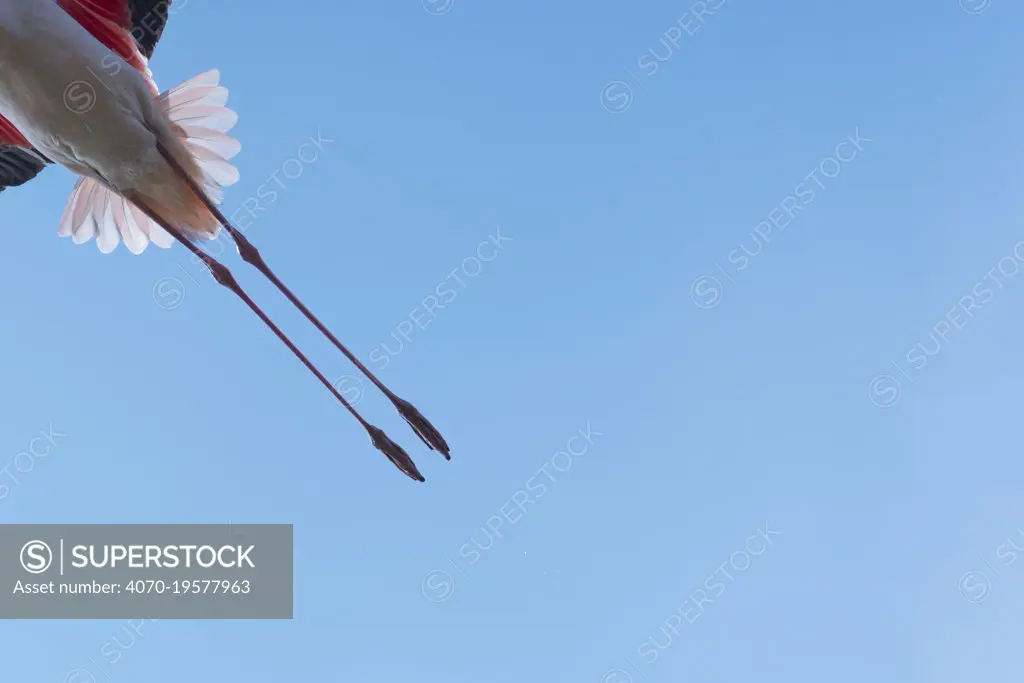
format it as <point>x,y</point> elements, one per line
<point>92,107</point>
<point>75,89</point>
<point>52,66</point>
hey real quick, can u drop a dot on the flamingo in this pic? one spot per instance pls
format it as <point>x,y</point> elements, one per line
<point>153,166</point>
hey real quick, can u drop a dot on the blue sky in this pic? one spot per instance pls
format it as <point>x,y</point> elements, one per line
<point>785,400</point>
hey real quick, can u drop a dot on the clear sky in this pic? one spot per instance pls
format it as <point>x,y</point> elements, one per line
<point>844,378</point>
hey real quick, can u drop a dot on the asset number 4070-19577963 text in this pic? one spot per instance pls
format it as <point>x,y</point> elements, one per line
<point>202,586</point>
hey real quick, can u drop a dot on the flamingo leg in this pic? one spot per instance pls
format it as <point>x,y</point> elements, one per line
<point>423,428</point>
<point>380,440</point>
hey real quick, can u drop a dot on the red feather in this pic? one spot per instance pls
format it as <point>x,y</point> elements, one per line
<point>9,135</point>
<point>111,10</point>
<point>109,21</point>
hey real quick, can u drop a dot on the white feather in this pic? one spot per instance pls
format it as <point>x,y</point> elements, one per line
<point>197,108</point>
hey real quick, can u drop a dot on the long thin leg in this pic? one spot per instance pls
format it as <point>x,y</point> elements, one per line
<point>426,431</point>
<point>380,440</point>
